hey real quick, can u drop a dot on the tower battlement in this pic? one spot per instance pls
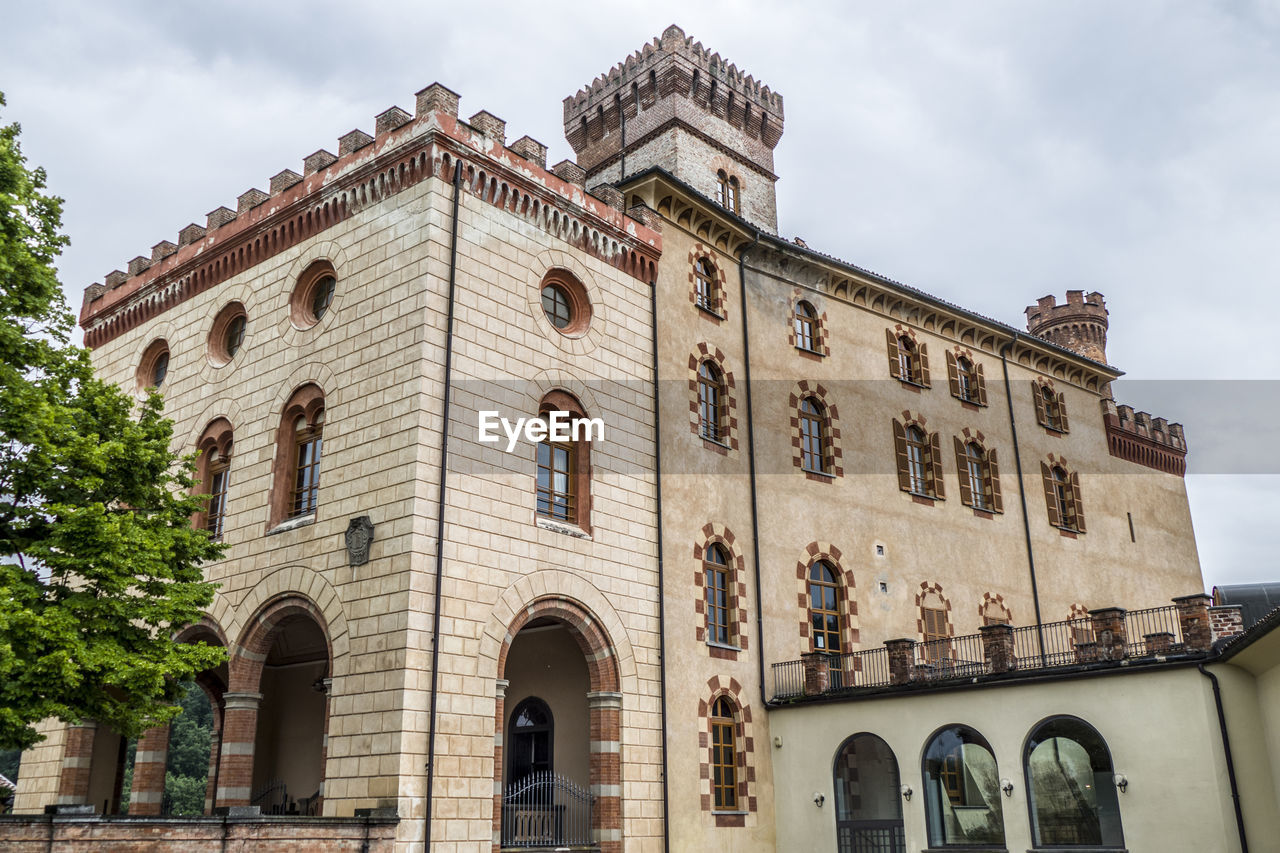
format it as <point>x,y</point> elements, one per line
<point>1079,325</point>
<point>681,106</point>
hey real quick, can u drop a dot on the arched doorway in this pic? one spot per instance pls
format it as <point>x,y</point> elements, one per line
<point>868,807</point>
<point>1072,790</point>
<point>557,758</point>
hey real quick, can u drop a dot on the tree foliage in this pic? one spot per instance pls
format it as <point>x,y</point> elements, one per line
<point>99,561</point>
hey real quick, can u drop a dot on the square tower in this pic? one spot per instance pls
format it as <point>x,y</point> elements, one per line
<point>676,105</point>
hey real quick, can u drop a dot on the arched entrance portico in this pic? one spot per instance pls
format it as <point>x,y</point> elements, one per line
<point>557,668</point>
<point>868,805</point>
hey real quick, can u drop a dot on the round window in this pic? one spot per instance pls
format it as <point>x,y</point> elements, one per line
<point>565,303</point>
<point>313,295</point>
<point>227,335</point>
<point>235,335</point>
<point>160,370</point>
<point>153,369</point>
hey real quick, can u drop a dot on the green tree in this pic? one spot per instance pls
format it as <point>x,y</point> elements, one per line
<point>99,562</point>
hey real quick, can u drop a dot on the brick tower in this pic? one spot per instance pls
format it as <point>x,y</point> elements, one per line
<point>1080,325</point>
<point>676,105</point>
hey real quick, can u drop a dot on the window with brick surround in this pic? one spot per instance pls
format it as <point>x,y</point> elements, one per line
<point>964,376</point>
<point>806,327</point>
<point>824,607</point>
<point>813,437</point>
<point>706,285</point>
<point>908,358</point>
<point>724,755</point>
<point>719,600</point>
<point>919,456</point>
<point>1062,497</point>
<point>313,295</point>
<point>299,448</point>
<point>1051,407</point>
<point>563,479</point>
<point>153,369</point>
<point>728,191</point>
<point>711,402</point>
<point>979,473</point>
<point>214,473</point>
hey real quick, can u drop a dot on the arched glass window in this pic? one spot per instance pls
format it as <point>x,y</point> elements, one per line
<point>967,376</point>
<point>962,790</point>
<point>813,438</point>
<point>734,195</point>
<point>976,472</point>
<point>530,734</point>
<point>557,487</point>
<point>219,480</point>
<point>868,803</point>
<point>1052,412</point>
<point>308,440</point>
<point>1072,793</point>
<point>704,283</point>
<point>722,187</point>
<point>715,564</point>
<point>563,486</point>
<point>724,755</point>
<point>711,402</point>
<point>824,607</point>
<point>917,461</point>
<point>806,326</point>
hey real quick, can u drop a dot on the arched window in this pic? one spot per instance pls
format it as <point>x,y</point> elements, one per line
<point>214,473</point>
<point>1051,407</point>
<point>962,790</point>
<point>934,628</point>
<point>806,327</point>
<point>824,607</point>
<point>715,565</point>
<point>868,803</point>
<point>564,467</point>
<point>967,377</point>
<point>908,359</point>
<point>724,755</point>
<point>919,460</point>
<point>711,402</point>
<point>1071,789</point>
<point>531,736</point>
<point>975,474</point>
<point>299,446</point>
<point>1062,497</point>
<point>706,289</point>
<point>813,436</point>
<point>735,194</point>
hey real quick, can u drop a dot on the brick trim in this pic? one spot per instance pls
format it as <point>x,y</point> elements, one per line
<point>995,606</point>
<point>718,309</point>
<point>927,589</point>
<point>723,536</point>
<point>833,452</point>
<point>307,401</point>
<point>821,330</point>
<point>707,352</point>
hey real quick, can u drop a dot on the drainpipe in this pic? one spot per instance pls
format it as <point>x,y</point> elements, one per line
<point>662,631</point>
<point>1022,493</point>
<point>751,461</point>
<point>444,468</point>
<point>1226,749</point>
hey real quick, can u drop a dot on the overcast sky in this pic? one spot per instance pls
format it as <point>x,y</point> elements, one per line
<point>987,152</point>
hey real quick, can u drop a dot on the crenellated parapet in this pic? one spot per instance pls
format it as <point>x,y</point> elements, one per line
<point>1079,325</point>
<point>368,168</point>
<point>1139,438</point>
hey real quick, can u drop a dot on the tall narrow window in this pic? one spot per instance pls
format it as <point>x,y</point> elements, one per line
<point>975,471</point>
<point>1062,498</point>
<point>715,564</point>
<point>917,456</point>
<point>219,479</point>
<point>724,756</point>
<point>711,420</point>
<point>806,327</point>
<point>735,195</point>
<point>824,607</point>
<point>556,480</point>
<point>813,439</point>
<point>563,467</point>
<point>933,626</point>
<point>908,360</point>
<point>979,476</point>
<point>308,439</point>
<point>705,284</point>
<point>965,377</point>
<point>722,188</point>
<point>968,380</point>
<point>1071,789</point>
<point>1051,407</point>
<point>919,460</point>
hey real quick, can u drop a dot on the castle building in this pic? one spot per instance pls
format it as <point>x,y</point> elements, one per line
<point>821,562</point>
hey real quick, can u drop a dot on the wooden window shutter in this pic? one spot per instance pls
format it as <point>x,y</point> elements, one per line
<point>962,469</point>
<point>953,374</point>
<point>900,449</point>
<point>935,465</point>
<point>893,354</point>
<point>923,379</point>
<point>1062,411</point>
<point>1077,505</point>
<point>1042,417</point>
<point>993,481</point>
<point>1050,497</point>
<point>935,624</point>
<point>982,384</point>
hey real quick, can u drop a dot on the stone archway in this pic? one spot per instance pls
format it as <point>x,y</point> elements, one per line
<point>604,713</point>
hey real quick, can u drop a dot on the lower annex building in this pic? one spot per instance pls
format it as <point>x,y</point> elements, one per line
<point>841,567</point>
